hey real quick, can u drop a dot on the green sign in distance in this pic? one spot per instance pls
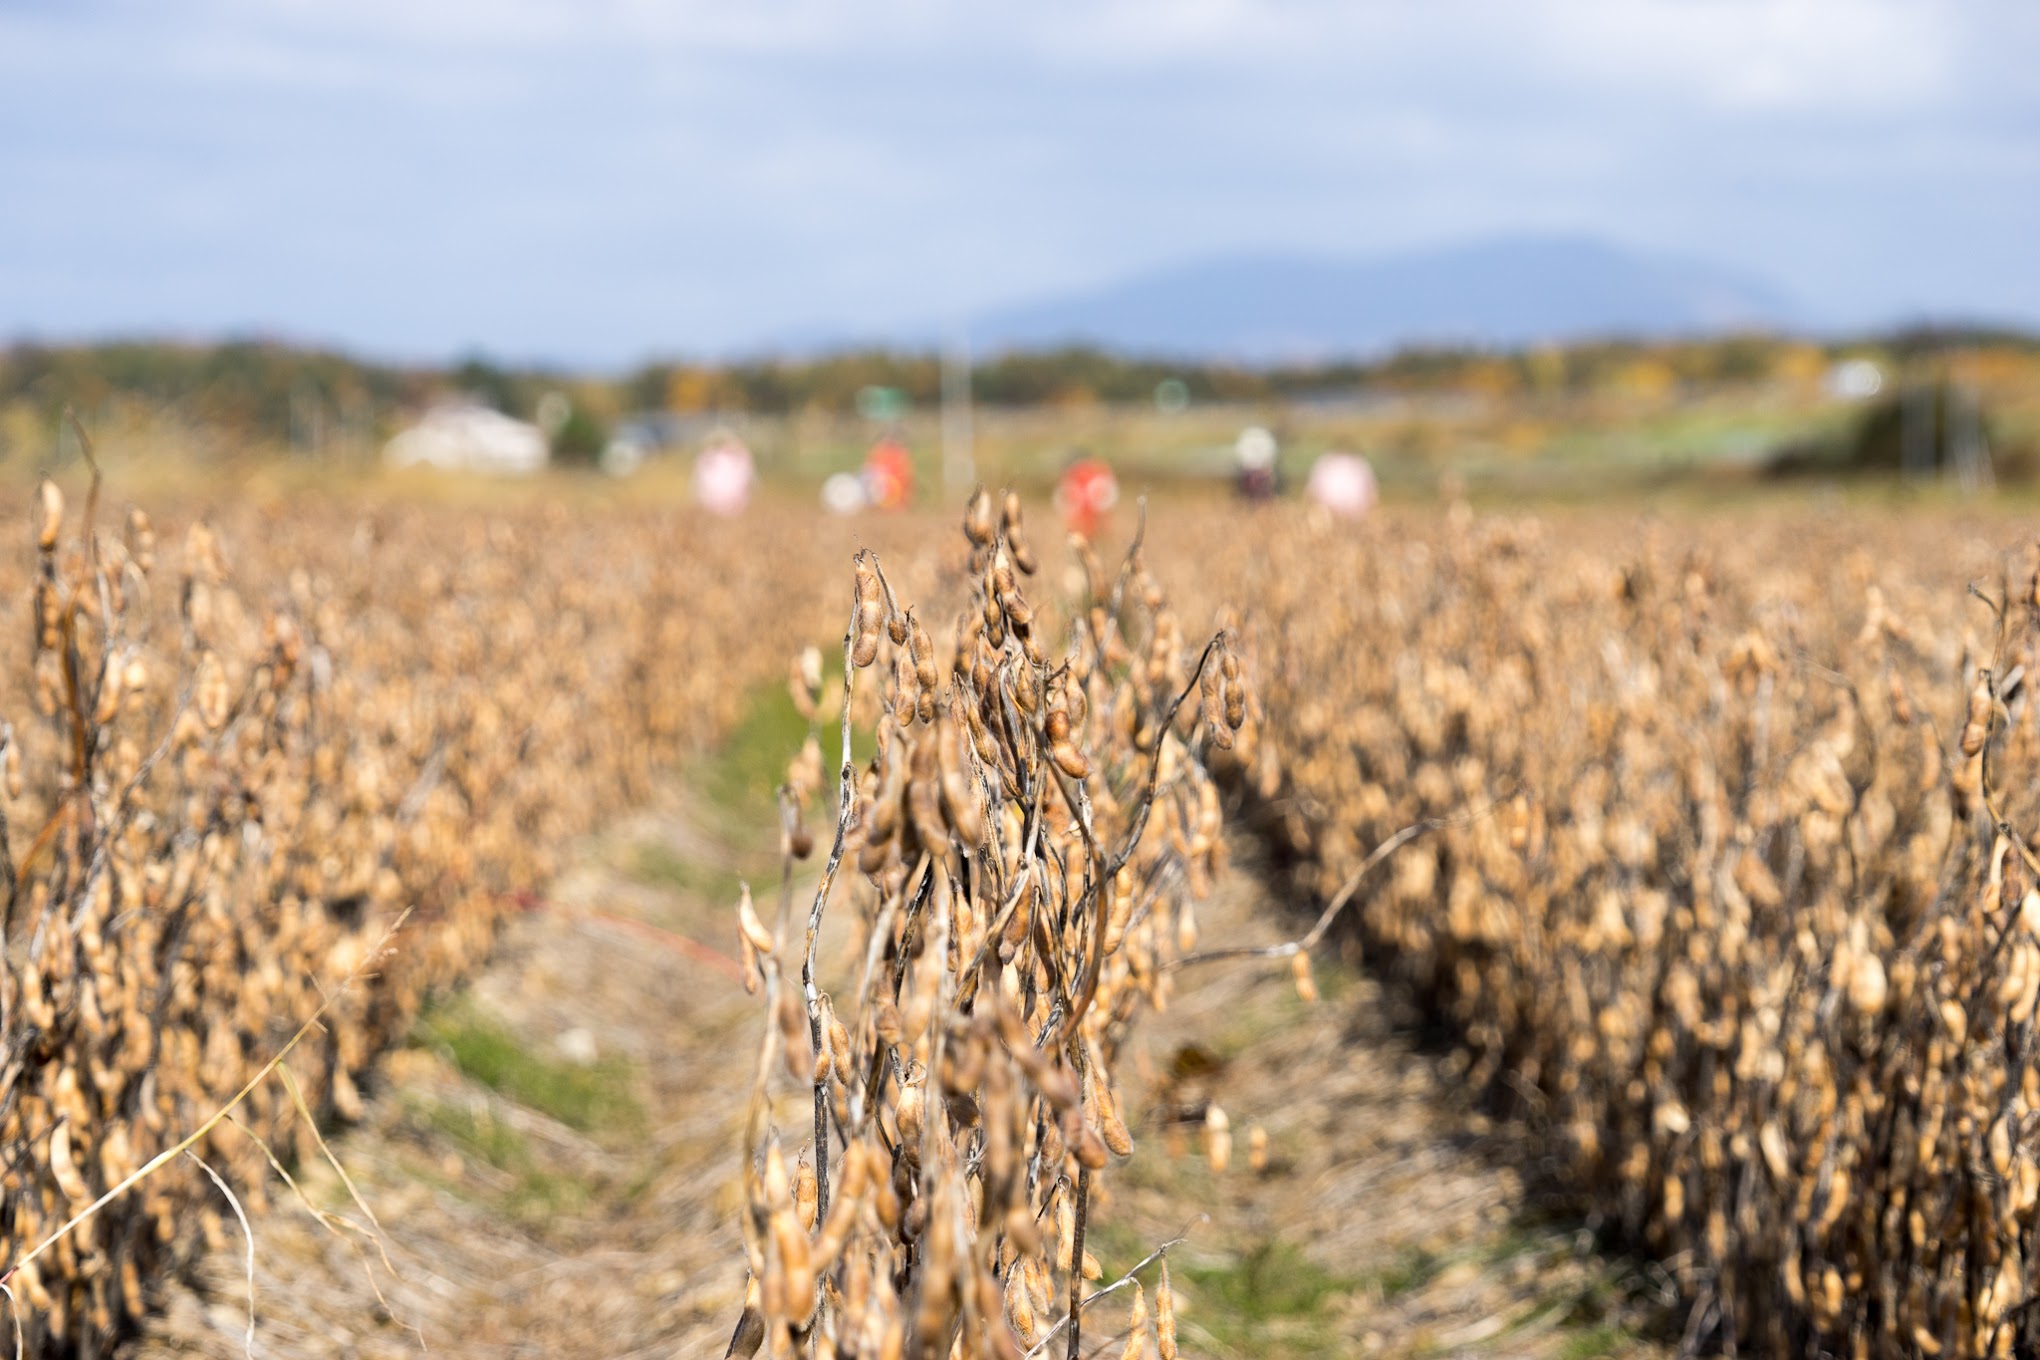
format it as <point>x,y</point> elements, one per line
<point>881,403</point>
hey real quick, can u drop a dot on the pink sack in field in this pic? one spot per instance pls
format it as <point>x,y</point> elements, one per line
<point>1342,484</point>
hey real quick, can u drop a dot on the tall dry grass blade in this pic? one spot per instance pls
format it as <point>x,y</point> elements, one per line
<point>334,1223</point>
<point>248,1234</point>
<point>379,1237</point>
<point>14,1313</point>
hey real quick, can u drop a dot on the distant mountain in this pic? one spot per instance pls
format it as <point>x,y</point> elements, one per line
<point>1509,291</point>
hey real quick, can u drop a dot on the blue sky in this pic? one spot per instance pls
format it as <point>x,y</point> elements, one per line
<point>598,181</point>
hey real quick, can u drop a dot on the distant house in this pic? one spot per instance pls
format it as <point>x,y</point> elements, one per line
<point>1855,380</point>
<point>468,437</point>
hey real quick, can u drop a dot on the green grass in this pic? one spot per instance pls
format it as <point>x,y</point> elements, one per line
<point>658,864</point>
<point>1594,1343</point>
<point>1271,1300</point>
<point>1587,1315</point>
<point>537,1193</point>
<point>1117,1246</point>
<point>752,760</point>
<point>592,1098</point>
<point>1411,1270</point>
<point>744,773</point>
<point>1244,1029</point>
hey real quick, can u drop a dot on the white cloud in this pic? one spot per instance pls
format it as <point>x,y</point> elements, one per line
<point>1759,55</point>
<point>1746,56</point>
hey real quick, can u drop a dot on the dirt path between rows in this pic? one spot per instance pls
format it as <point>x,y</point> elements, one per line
<point>555,1160</point>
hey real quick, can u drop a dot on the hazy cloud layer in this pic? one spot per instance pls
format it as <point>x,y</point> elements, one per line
<point>594,181</point>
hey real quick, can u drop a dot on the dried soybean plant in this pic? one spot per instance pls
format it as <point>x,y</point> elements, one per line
<point>222,787</point>
<point>1028,840</point>
<point>149,971</point>
<point>1752,940</point>
<point>114,933</point>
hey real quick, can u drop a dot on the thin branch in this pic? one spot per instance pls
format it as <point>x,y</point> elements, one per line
<point>846,809</point>
<point>1162,730</point>
<point>1122,1282</point>
<point>1132,556</point>
<point>1107,871</point>
<point>1311,939</point>
<point>1075,1316</point>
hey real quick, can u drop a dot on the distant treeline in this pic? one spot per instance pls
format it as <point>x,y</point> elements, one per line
<point>1080,375</point>
<point>265,392</point>
<point>241,390</point>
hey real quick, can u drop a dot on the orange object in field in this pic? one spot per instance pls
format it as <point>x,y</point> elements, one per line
<point>889,475</point>
<point>1086,494</point>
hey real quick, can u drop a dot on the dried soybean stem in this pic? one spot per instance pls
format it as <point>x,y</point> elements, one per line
<point>332,1222</point>
<point>297,1097</point>
<point>1132,555</point>
<point>1122,1282</point>
<point>1162,728</point>
<point>1311,939</point>
<point>846,808</point>
<point>1077,1260</point>
<point>966,1071</point>
<point>1108,870</point>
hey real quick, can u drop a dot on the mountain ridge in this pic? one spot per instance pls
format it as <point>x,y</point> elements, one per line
<point>1510,290</point>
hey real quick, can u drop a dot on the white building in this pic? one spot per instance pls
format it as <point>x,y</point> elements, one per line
<point>466,437</point>
<point>1855,380</point>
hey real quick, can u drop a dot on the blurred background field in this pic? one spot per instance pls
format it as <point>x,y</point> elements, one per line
<point>1720,417</point>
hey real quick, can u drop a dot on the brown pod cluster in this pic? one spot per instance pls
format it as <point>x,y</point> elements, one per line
<point>869,615</point>
<point>1016,536</point>
<point>979,525</point>
<point>50,502</point>
<point>1021,870</point>
<point>1730,844</point>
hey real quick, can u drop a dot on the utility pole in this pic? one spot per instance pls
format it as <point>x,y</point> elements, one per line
<point>1965,421</point>
<point>1916,431</point>
<point>959,465</point>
